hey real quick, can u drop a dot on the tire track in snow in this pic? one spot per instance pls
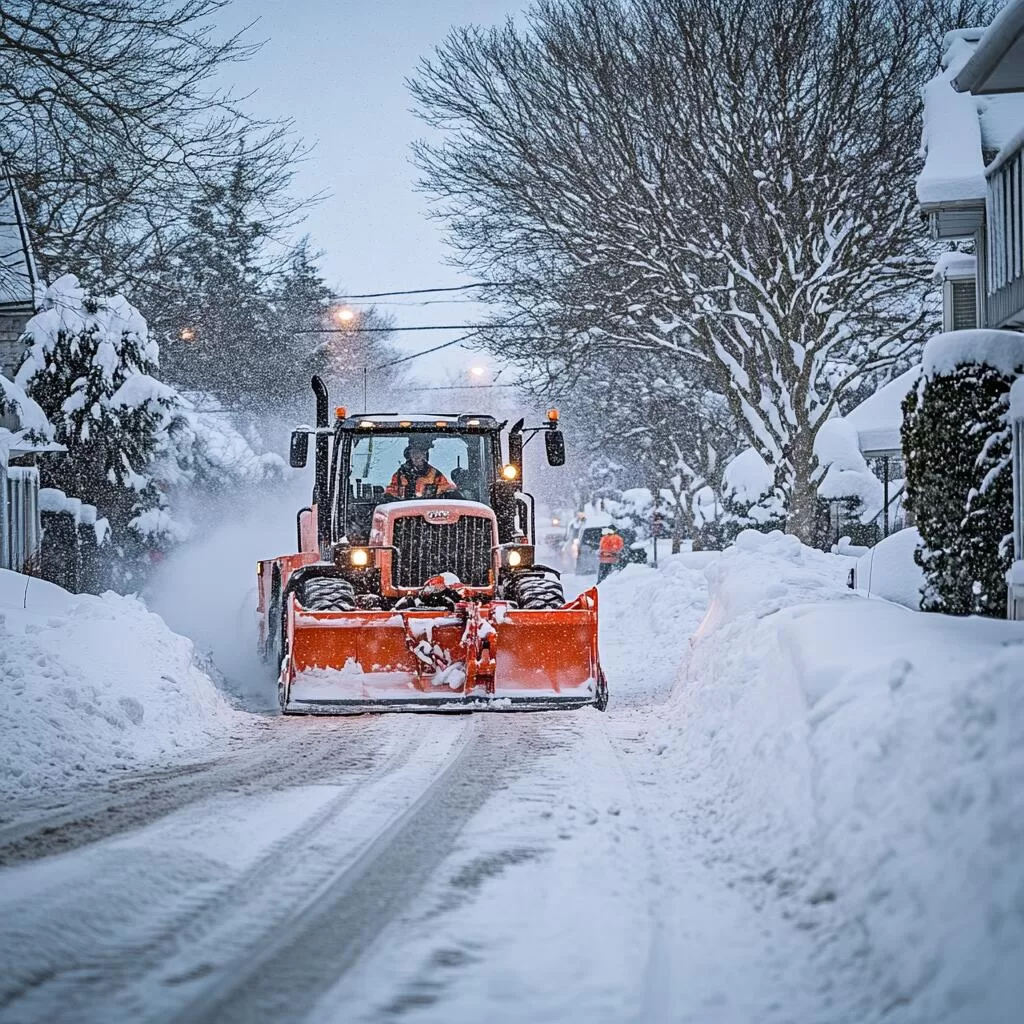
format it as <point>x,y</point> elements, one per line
<point>111,980</point>
<point>293,753</point>
<point>345,910</point>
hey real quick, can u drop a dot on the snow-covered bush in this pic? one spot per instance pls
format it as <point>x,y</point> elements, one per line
<point>956,437</point>
<point>749,500</point>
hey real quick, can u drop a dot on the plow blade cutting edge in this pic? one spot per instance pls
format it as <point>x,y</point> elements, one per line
<point>477,657</point>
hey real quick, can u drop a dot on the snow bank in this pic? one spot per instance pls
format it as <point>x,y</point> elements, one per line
<point>653,611</point>
<point>94,683</point>
<point>863,764</point>
<point>888,570</point>
<point>1001,350</point>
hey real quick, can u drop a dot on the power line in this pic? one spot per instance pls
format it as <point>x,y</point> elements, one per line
<point>463,387</point>
<point>420,291</point>
<point>416,355</point>
<point>388,330</point>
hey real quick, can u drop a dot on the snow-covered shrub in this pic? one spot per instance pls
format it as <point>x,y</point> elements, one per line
<point>844,478</point>
<point>89,366</point>
<point>749,500</point>
<point>956,437</point>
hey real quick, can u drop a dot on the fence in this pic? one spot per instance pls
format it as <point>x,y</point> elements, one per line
<point>19,517</point>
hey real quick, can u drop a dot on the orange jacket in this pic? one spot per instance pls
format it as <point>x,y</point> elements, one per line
<point>407,484</point>
<point>610,548</point>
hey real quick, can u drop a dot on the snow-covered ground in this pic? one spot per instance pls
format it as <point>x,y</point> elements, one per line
<point>802,805</point>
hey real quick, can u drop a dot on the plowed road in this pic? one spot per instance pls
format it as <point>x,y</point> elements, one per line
<point>492,867</point>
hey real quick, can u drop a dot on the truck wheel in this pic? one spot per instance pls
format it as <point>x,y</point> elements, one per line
<point>602,691</point>
<point>328,594</point>
<point>536,590</point>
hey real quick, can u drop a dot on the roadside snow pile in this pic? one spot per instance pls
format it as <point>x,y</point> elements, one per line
<point>93,683</point>
<point>652,610</point>
<point>865,764</point>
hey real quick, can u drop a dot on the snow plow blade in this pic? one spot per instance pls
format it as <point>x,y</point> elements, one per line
<point>477,657</point>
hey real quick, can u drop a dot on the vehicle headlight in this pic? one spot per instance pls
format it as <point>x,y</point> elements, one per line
<point>517,556</point>
<point>359,557</point>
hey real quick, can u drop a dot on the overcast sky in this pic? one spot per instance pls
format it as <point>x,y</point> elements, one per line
<point>337,69</point>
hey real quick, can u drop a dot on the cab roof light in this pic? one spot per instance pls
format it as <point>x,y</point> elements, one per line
<point>366,423</point>
<point>340,412</point>
<point>441,423</point>
<point>473,423</point>
<point>405,423</point>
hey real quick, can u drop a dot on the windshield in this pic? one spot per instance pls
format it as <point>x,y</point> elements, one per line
<point>463,460</point>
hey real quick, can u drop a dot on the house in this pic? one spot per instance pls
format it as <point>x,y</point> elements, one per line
<point>19,281</point>
<point>972,188</point>
<point>24,431</point>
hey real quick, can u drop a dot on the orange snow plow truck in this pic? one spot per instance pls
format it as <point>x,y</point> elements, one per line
<point>415,586</point>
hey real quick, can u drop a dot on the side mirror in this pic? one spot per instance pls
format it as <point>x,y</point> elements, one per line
<point>554,444</point>
<point>515,446</point>
<point>298,452</point>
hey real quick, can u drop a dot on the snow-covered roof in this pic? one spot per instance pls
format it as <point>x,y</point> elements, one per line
<point>954,264</point>
<point>1001,350</point>
<point>18,277</point>
<point>878,419</point>
<point>959,128</point>
<point>997,65</point>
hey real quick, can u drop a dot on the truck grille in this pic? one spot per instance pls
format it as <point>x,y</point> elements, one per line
<point>429,549</point>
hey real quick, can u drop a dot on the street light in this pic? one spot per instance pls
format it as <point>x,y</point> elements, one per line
<point>187,334</point>
<point>478,371</point>
<point>344,314</point>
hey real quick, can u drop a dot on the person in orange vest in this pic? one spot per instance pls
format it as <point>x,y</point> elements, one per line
<point>416,478</point>
<point>609,551</point>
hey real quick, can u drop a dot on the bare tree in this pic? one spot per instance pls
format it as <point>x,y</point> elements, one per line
<point>113,126</point>
<point>736,174</point>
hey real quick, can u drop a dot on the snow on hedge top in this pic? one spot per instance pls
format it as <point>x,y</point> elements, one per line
<point>958,127</point>
<point>1001,350</point>
<point>110,320</point>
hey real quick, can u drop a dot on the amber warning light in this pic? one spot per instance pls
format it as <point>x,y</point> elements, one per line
<point>341,412</point>
<point>553,415</point>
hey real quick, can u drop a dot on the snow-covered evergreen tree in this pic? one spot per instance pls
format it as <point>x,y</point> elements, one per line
<point>89,366</point>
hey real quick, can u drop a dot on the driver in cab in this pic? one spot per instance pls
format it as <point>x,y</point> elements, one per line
<point>416,478</point>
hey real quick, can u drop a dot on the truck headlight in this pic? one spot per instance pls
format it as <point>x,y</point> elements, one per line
<point>359,557</point>
<point>517,556</point>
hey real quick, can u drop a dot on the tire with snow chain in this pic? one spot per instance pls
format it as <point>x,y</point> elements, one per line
<point>327,594</point>
<point>536,590</point>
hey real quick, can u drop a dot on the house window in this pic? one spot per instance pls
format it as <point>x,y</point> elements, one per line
<point>963,305</point>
